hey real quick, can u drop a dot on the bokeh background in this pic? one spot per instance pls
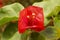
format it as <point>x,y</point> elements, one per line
<point>25,3</point>
<point>9,30</point>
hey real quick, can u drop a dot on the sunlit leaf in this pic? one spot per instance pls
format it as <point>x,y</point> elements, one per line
<point>10,12</point>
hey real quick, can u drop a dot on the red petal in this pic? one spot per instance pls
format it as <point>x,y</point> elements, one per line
<point>22,22</point>
<point>31,18</point>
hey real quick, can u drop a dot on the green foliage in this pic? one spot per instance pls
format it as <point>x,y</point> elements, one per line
<point>16,36</point>
<point>36,36</point>
<point>10,12</point>
<point>57,26</point>
<point>9,31</point>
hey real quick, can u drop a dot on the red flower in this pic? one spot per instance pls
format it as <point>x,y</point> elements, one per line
<point>31,18</point>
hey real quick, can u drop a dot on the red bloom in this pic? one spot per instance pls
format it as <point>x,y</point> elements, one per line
<point>31,18</point>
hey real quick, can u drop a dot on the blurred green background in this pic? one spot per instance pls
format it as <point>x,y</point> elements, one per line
<point>25,3</point>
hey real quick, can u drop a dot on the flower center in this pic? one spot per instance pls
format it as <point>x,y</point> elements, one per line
<point>31,20</point>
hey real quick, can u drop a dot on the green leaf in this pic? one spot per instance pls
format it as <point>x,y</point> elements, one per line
<point>46,22</point>
<point>10,12</point>
<point>57,26</point>
<point>49,33</point>
<point>36,36</point>
<point>16,36</point>
<point>9,31</point>
<point>25,36</point>
<point>56,22</point>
